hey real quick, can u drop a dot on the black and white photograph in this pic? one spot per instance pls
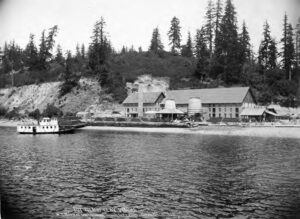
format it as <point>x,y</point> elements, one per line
<point>186,109</point>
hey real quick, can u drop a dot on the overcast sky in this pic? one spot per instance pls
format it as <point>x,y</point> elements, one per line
<point>131,22</point>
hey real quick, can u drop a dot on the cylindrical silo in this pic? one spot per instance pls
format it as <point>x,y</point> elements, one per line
<point>195,106</point>
<point>170,104</point>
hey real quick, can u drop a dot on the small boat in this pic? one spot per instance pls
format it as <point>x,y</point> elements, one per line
<point>44,126</point>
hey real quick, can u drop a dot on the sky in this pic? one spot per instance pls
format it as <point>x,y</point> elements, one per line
<point>131,22</point>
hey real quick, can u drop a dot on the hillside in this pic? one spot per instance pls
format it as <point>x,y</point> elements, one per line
<point>31,97</point>
<point>134,64</point>
<point>177,72</point>
<point>88,95</point>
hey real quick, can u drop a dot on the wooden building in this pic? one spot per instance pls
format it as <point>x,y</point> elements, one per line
<point>216,102</point>
<point>149,101</point>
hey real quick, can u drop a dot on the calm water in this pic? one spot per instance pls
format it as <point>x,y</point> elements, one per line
<point>140,175</point>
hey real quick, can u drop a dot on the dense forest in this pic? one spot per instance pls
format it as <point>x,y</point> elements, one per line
<point>220,54</point>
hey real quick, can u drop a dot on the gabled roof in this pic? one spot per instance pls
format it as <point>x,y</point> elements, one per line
<point>209,95</point>
<point>148,97</point>
<point>253,112</point>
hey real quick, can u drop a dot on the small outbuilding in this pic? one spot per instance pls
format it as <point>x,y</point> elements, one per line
<point>258,114</point>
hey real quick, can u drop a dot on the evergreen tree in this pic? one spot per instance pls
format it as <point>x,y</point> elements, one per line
<point>31,53</point>
<point>50,40</point>
<point>83,51</point>
<point>175,36</point>
<point>59,56</point>
<point>202,55</point>
<point>124,50</point>
<point>187,50</point>
<point>69,65</point>
<point>42,52</point>
<point>244,40</point>
<point>78,52</point>
<point>156,45</point>
<point>227,51</point>
<point>70,79</point>
<point>46,46</point>
<point>218,17</point>
<point>297,52</point>
<point>210,25</point>
<point>99,51</point>
<point>288,49</point>
<point>6,63</point>
<point>12,57</point>
<point>272,60</point>
<point>264,57</point>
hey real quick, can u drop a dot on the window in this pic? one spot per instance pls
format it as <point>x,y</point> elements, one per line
<point>209,115</point>
<point>237,110</point>
<point>128,110</point>
<point>214,115</point>
<point>230,115</point>
<point>230,109</point>
<point>236,115</point>
<point>50,127</point>
<point>220,115</point>
<point>224,109</point>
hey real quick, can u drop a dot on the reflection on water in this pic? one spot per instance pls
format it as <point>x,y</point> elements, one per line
<point>148,175</point>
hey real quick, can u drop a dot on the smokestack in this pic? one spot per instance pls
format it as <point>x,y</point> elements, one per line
<point>140,101</point>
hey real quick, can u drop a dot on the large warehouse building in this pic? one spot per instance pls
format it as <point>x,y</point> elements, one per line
<point>216,102</point>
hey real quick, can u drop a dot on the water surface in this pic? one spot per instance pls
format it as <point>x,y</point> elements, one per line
<point>148,175</point>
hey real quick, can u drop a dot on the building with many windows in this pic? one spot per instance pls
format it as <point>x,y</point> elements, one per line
<point>137,103</point>
<point>216,102</point>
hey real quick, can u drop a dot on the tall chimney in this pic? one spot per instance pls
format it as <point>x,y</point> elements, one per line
<point>140,101</point>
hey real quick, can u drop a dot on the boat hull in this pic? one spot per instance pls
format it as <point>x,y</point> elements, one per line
<point>66,131</point>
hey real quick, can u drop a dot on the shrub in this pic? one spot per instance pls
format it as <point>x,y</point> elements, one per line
<point>136,120</point>
<point>13,114</point>
<point>36,114</point>
<point>52,111</point>
<point>69,114</point>
<point>3,111</point>
<point>66,87</point>
<point>121,119</point>
<point>154,120</point>
<point>117,87</point>
<point>99,119</point>
<point>109,119</point>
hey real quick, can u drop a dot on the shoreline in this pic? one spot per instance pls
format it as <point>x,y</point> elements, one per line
<point>8,123</point>
<point>280,132</point>
<point>256,131</point>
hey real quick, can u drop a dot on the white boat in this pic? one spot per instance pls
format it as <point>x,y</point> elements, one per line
<point>44,126</point>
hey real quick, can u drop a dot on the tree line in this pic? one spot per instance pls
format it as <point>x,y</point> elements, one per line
<point>223,53</point>
<point>219,50</point>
